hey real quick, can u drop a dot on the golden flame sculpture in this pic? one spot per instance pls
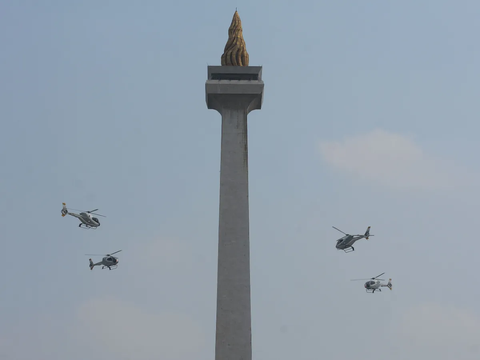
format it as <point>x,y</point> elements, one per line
<point>235,53</point>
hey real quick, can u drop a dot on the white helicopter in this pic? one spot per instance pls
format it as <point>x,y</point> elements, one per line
<point>108,261</point>
<point>375,284</point>
<point>86,218</point>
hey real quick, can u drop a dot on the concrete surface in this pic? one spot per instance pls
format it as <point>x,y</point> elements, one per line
<point>234,99</point>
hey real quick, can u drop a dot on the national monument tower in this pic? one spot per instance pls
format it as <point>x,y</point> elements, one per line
<point>234,89</point>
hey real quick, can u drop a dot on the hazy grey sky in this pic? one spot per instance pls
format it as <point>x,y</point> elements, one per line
<point>370,117</point>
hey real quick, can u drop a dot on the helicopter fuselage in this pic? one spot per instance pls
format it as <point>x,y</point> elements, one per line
<point>107,262</point>
<point>347,241</point>
<point>86,219</point>
<point>372,285</point>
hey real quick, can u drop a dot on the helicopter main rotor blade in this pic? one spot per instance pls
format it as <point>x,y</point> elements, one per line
<point>339,230</point>
<point>378,275</point>
<point>359,279</point>
<point>76,209</point>
<point>97,214</point>
<point>104,254</point>
<point>91,211</point>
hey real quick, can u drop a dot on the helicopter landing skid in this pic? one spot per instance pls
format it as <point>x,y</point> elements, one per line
<point>372,291</point>
<point>349,250</point>
<point>112,267</point>
<point>86,227</point>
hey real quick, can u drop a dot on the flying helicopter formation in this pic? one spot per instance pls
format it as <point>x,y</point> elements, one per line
<point>345,243</point>
<point>87,221</point>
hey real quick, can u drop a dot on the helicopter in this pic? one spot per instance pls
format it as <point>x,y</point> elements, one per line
<point>345,243</point>
<point>108,261</point>
<point>87,220</point>
<point>375,284</point>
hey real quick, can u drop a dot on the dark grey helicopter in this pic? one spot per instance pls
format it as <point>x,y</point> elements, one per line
<point>345,243</point>
<point>108,261</point>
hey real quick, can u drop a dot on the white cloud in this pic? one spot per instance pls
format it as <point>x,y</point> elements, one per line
<point>441,332</point>
<point>132,333</point>
<point>390,159</point>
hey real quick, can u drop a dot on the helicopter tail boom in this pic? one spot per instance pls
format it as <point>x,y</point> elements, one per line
<point>389,285</point>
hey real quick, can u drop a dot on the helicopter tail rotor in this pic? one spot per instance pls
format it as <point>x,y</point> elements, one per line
<point>389,285</point>
<point>91,264</point>
<point>64,210</point>
<point>367,233</point>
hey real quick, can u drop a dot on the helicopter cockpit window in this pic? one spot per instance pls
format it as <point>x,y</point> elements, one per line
<point>109,259</point>
<point>95,219</point>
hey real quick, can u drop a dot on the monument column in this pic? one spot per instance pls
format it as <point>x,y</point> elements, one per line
<point>234,89</point>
